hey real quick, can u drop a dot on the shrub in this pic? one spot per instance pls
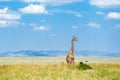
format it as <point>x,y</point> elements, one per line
<point>83,66</point>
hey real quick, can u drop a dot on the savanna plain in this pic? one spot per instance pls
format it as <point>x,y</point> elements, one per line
<point>55,68</point>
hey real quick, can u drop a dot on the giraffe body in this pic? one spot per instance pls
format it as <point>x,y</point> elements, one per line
<point>70,56</point>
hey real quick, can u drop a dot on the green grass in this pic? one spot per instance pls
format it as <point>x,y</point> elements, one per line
<point>59,72</point>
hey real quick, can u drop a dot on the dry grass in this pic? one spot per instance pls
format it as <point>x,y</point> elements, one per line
<point>55,68</point>
<point>59,72</point>
<point>55,60</point>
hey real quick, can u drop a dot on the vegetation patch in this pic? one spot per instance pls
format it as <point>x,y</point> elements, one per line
<point>83,66</point>
<point>60,71</point>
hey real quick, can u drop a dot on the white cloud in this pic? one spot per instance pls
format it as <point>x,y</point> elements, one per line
<point>117,26</point>
<point>37,27</point>
<point>9,18</point>
<point>41,28</point>
<point>53,35</point>
<point>23,24</point>
<point>94,25</point>
<point>113,15</point>
<point>33,24</point>
<point>106,3</point>
<point>74,13</point>
<point>100,13</point>
<point>7,14</point>
<point>5,23</point>
<point>43,21</point>
<point>75,27</point>
<point>52,2</point>
<point>77,14</point>
<point>34,9</point>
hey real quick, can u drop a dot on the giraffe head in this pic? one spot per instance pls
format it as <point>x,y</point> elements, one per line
<point>74,38</point>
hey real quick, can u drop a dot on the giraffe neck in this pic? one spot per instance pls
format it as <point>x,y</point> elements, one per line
<point>72,48</point>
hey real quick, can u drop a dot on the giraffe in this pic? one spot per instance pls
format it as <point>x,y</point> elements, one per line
<point>70,55</point>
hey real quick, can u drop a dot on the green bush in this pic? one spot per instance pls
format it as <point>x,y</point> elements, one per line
<point>83,66</point>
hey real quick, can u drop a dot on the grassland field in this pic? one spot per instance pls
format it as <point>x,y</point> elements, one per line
<point>55,68</point>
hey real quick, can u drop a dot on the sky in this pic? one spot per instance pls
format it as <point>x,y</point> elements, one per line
<point>50,24</point>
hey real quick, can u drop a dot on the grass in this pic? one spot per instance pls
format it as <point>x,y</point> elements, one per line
<point>59,72</point>
<point>55,68</point>
<point>55,60</point>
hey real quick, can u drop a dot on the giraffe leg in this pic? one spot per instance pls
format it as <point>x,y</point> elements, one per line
<point>73,61</point>
<point>68,64</point>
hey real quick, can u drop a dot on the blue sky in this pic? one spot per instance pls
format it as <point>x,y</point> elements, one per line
<point>50,24</point>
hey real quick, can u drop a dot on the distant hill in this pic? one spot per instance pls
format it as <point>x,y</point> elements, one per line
<point>27,53</point>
